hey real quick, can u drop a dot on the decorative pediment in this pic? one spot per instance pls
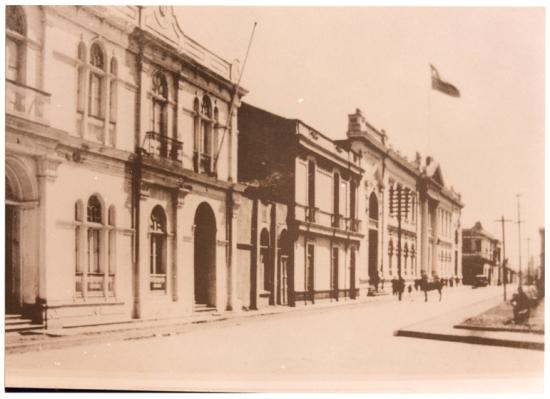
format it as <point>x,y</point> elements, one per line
<point>162,21</point>
<point>433,171</point>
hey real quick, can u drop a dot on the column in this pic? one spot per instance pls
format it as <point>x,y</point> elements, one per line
<point>234,302</point>
<point>424,235</point>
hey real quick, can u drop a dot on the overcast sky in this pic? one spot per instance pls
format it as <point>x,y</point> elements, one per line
<point>489,142</point>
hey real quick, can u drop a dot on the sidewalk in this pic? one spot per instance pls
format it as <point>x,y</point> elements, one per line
<point>139,329</point>
<point>442,328</point>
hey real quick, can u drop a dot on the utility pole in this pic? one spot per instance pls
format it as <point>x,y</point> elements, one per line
<point>504,260</point>
<point>519,243</point>
<point>400,202</point>
<point>528,260</point>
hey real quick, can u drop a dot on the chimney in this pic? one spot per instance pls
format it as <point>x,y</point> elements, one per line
<point>355,123</point>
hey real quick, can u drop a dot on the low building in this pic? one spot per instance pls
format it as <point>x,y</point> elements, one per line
<point>481,255</point>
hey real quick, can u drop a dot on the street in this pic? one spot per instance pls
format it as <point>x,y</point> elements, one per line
<point>349,348</point>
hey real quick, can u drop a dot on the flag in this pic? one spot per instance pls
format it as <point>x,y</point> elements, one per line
<point>441,85</point>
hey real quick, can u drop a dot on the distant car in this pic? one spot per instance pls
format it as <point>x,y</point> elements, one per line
<point>480,281</point>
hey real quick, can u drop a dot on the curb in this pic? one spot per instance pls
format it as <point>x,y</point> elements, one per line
<point>153,331</point>
<point>472,339</point>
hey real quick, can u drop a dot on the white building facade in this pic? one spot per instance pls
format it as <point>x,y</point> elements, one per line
<point>121,157</point>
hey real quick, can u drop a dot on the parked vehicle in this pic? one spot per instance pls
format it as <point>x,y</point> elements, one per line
<point>480,281</point>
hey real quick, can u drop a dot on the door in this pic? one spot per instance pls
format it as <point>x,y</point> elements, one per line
<point>283,280</point>
<point>310,270</point>
<point>352,294</point>
<point>12,261</point>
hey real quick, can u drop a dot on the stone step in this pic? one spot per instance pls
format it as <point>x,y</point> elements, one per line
<point>23,327</point>
<point>19,321</point>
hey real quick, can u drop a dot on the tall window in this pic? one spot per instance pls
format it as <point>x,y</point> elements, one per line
<point>94,249</point>
<point>111,249</point>
<point>81,78</point>
<point>16,30</point>
<point>77,247</point>
<point>352,193</point>
<point>96,82</point>
<point>336,201</point>
<point>373,207</point>
<point>157,231</point>
<point>311,183</point>
<point>206,132</point>
<point>160,99</point>
<point>113,91</point>
<point>390,254</point>
<point>94,233</point>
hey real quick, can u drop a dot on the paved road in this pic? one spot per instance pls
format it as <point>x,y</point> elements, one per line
<point>348,348</point>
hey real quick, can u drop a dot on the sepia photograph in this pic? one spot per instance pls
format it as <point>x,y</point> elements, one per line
<point>270,199</point>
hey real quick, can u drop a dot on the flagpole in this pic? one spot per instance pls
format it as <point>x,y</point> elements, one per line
<point>428,117</point>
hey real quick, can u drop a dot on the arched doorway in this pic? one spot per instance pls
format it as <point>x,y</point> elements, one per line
<point>373,240</point>
<point>282,268</point>
<point>21,202</point>
<point>205,256</point>
<point>265,272</point>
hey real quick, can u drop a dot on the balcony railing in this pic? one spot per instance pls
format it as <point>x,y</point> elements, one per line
<point>27,102</point>
<point>353,225</point>
<point>337,221</point>
<point>157,282</point>
<point>202,163</point>
<point>160,146</point>
<point>95,283</point>
<point>311,214</point>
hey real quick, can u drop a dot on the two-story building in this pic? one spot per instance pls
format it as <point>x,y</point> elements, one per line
<point>430,214</point>
<point>121,166</point>
<point>481,255</point>
<point>317,180</point>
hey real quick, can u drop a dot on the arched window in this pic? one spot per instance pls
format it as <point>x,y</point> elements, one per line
<point>111,249</point>
<point>16,30</point>
<point>157,231</point>
<point>113,91</point>
<point>96,82</point>
<point>94,235</point>
<point>77,246</point>
<point>206,135</point>
<point>160,98</point>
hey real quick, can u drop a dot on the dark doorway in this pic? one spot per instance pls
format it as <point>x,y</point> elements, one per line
<point>205,256</point>
<point>282,269</point>
<point>12,266</point>
<point>373,256</point>
<point>265,277</point>
<point>334,273</point>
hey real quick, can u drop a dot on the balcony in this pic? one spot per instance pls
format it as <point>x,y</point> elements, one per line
<point>337,221</point>
<point>353,225</point>
<point>160,146</point>
<point>27,102</point>
<point>202,163</point>
<point>311,214</point>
